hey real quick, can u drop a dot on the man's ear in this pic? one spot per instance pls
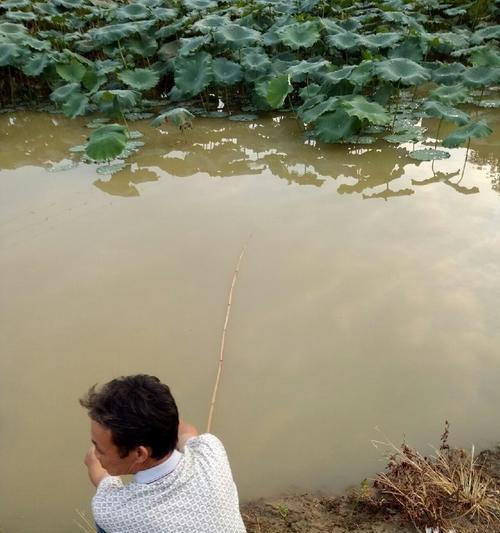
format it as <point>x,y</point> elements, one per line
<point>143,454</point>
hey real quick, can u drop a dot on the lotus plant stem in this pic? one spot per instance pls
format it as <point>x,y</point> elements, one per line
<point>223,339</point>
<point>203,103</point>
<point>227,99</point>
<point>466,158</point>
<point>125,121</point>
<point>437,133</point>
<point>397,104</point>
<point>480,97</point>
<point>121,54</point>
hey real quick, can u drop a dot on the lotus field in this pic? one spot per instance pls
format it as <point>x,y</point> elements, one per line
<point>350,71</point>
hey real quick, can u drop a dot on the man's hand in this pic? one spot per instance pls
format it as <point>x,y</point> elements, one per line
<point>186,431</point>
<point>96,472</point>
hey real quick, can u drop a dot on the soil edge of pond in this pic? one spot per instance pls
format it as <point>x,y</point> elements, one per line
<point>322,512</point>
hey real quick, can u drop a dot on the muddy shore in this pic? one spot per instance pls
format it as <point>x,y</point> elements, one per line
<point>321,512</point>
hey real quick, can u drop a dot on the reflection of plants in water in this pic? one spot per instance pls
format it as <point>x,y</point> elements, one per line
<point>445,177</point>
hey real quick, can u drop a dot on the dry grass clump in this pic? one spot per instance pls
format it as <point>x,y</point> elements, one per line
<point>449,490</point>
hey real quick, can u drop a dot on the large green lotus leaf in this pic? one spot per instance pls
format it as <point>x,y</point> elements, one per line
<point>165,13</point>
<point>278,89</point>
<point>331,26</point>
<point>334,126</point>
<point>380,40</point>
<point>15,4</point>
<point>448,74</point>
<point>485,56</point>
<point>411,134</point>
<point>428,154</point>
<point>448,41</point>
<point>237,36</point>
<point>226,72</point>
<point>77,104</point>
<point>255,59</point>
<point>12,31</point>
<point>20,16</point>
<point>433,108</point>
<point>461,135</point>
<point>343,41</point>
<point>62,93</point>
<point>93,80</point>
<point>106,142</point>
<point>313,89</point>
<point>299,35</point>
<point>270,38</point>
<point>125,99</point>
<point>451,94</point>
<point>210,23</point>
<point>171,29</point>
<point>132,12</point>
<point>481,76</point>
<point>179,116</point>
<point>338,75</point>
<point>106,66</point>
<point>9,53</point>
<point>193,74</point>
<point>360,107</point>
<point>199,5</point>
<point>72,72</point>
<point>142,47</point>
<point>117,32</point>
<point>311,114</point>
<point>302,70</point>
<point>192,44</point>
<point>36,64</point>
<point>141,79</point>
<point>402,70</point>
<point>69,4</point>
<point>413,47</point>
<point>486,34</point>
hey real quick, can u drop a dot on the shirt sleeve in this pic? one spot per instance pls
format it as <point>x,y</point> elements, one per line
<point>107,485</point>
<point>209,450</point>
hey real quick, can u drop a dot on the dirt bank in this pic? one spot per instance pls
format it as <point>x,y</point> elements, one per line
<point>352,511</point>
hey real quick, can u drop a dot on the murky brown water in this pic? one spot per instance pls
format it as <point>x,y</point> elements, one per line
<point>369,296</point>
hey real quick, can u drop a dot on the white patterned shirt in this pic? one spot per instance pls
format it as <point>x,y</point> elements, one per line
<point>191,492</point>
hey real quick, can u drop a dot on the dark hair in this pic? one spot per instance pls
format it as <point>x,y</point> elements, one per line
<point>139,410</point>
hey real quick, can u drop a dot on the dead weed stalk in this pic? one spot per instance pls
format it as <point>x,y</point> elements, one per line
<point>447,490</point>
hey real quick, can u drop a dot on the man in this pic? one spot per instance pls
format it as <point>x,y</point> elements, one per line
<point>182,480</point>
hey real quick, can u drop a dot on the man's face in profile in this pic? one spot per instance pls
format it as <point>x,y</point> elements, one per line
<point>107,452</point>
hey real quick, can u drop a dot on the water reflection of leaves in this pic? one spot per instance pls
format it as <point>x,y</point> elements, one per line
<point>118,186</point>
<point>445,177</point>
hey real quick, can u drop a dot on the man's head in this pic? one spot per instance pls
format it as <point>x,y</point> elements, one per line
<point>134,420</point>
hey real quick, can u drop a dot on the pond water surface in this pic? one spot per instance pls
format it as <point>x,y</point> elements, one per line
<point>369,297</point>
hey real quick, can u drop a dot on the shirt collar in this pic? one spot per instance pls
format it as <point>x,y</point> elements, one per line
<point>161,470</point>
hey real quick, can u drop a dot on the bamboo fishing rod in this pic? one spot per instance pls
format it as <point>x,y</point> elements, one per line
<point>223,339</point>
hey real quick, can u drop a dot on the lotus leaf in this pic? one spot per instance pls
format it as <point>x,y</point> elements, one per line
<point>357,139</point>
<point>135,134</point>
<point>461,135</point>
<point>402,70</point>
<point>78,149</point>
<point>192,44</point>
<point>36,64</point>
<point>110,169</point>
<point>116,32</point>
<point>278,89</point>
<point>97,123</point>
<point>237,36</point>
<point>141,79</point>
<point>193,74</point>
<point>411,134</point>
<point>428,154</point>
<point>481,76</point>
<point>226,72</point>
<point>12,31</point>
<point>485,56</point>
<point>299,71</point>
<point>171,29</point>
<point>9,53</point>
<point>106,142</point>
<point>165,13</point>
<point>448,74</point>
<point>433,108</point>
<point>412,48</point>
<point>133,12</point>
<point>380,40</point>
<point>335,126</point>
<point>360,107</point>
<point>271,38</point>
<point>69,4</point>
<point>313,113</point>
<point>20,16</point>
<point>15,4</point>
<point>343,41</point>
<point>486,34</point>
<point>92,80</point>
<point>200,5</point>
<point>71,72</point>
<point>338,75</point>
<point>63,165</point>
<point>142,47</point>
<point>123,98</point>
<point>106,66</point>
<point>299,35</point>
<point>77,104</point>
<point>210,23</point>
<point>179,116</point>
<point>255,59</point>
<point>310,90</point>
<point>64,92</point>
<point>331,26</point>
<point>452,94</point>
